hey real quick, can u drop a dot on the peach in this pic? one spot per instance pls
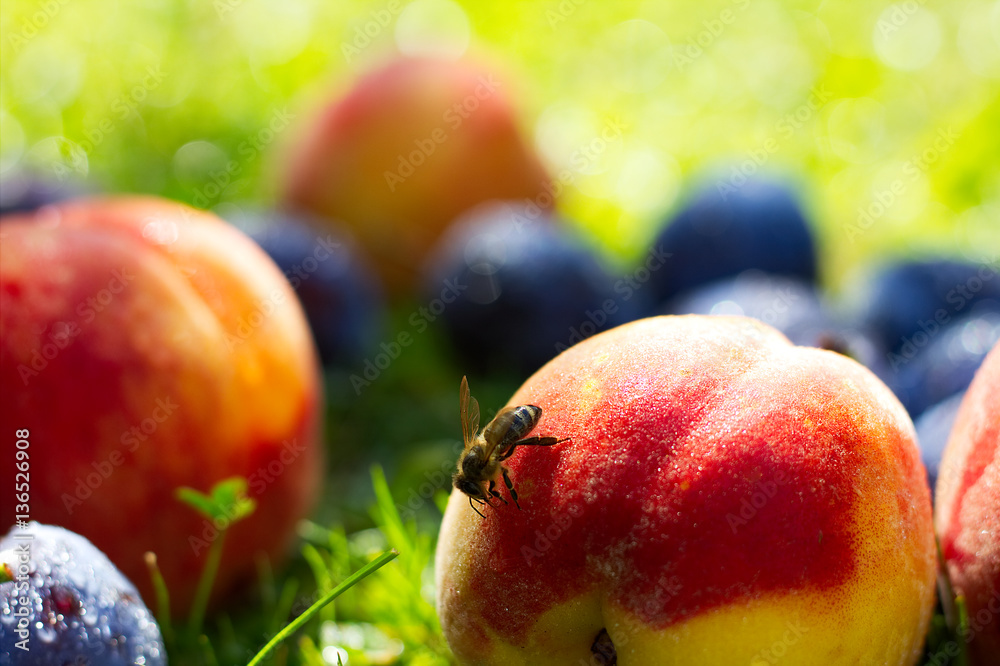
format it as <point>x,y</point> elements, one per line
<point>145,346</point>
<point>967,508</point>
<point>725,498</point>
<point>408,148</point>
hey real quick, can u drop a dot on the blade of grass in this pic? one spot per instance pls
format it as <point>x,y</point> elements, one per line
<point>391,522</point>
<point>207,650</point>
<point>204,589</point>
<point>162,598</point>
<point>295,624</point>
<point>284,605</point>
<point>963,632</point>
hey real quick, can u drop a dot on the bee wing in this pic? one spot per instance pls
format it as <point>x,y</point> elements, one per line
<point>469,412</point>
<point>494,433</point>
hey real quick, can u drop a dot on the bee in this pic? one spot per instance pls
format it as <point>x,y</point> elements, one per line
<point>482,460</point>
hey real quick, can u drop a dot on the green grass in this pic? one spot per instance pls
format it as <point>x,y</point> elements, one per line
<point>368,595</point>
<point>338,597</point>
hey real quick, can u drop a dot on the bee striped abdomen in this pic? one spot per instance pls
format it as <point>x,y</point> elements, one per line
<point>512,424</point>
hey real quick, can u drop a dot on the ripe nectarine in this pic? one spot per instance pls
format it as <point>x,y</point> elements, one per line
<point>409,147</point>
<point>145,345</point>
<point>725,498</point>
<point>967,509</point>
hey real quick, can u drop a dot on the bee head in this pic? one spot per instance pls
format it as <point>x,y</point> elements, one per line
<point>470,488</point>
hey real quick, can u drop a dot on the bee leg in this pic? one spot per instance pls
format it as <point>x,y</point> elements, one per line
<point>510,486</point>
<point>494,493</point>
<point>532,441</point>
<point>475,509</point>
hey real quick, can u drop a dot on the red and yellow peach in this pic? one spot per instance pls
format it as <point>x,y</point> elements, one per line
<point>406,150</point>
<point>145,346</point>
<point>967,509</point>
<point>725,497</point>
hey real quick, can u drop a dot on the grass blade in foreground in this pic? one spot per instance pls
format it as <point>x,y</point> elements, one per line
<point>295,624</point>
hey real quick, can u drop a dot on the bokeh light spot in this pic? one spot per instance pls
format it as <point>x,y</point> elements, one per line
<point>433,28</point>
<point>196,161</point>
<point>906,36</point>
<point>639,54</point>
<point>648,182</point>
<point>59,158</point>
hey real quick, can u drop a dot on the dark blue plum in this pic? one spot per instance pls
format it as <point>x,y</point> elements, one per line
<point>724,230</point>
<point>905,303</point>
<point>792,306</point>
<point>80,609</point>
<point>512,291</point>
<point>340,294</point>
<point>933,429</point>
<point>946,365</point>
<point>23,193</point>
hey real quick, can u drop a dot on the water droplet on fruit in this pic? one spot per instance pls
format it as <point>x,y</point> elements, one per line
<point>161,232</point>
<point>45,633</point>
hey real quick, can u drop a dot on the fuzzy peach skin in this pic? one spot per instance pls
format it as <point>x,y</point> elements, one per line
<point>145,345</point>
<point>726,498</point>
<point>405,151</point>
<point>967,509</point>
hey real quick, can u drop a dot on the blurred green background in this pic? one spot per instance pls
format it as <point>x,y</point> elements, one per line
<point>850,100</point>
<point>887,116</point>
